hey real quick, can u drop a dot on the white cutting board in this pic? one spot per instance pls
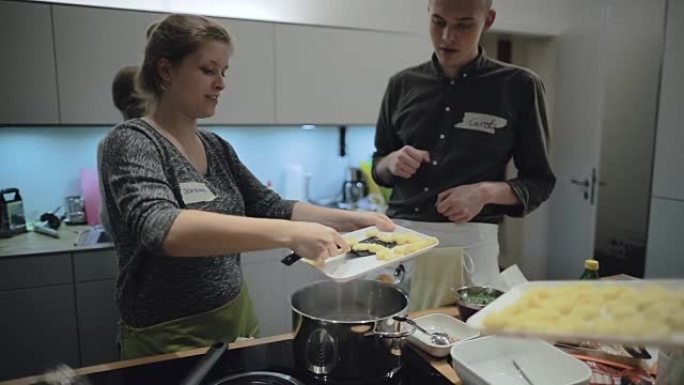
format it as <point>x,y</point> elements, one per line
<point>343,269</point>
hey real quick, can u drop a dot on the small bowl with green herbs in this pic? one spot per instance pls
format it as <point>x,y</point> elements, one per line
<point>471,299</point>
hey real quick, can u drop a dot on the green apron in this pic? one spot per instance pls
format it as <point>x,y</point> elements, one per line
<point>223,324</point>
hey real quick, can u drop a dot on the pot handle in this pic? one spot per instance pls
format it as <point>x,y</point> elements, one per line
<point>409,330</point>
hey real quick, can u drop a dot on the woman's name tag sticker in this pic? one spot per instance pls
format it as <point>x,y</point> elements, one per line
<point>194,192</point>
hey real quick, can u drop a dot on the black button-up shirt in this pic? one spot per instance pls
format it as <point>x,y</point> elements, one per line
<point>472,126</point>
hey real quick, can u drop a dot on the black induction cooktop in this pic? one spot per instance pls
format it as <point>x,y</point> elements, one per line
<point>273,364</point>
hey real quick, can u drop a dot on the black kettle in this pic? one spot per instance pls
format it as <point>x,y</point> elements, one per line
<point>12,219</point>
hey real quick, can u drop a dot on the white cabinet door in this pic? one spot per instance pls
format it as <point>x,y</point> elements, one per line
<point>338,76</point>
<point>248,97</point>
<point>28,91</point>
<point>92,45</point>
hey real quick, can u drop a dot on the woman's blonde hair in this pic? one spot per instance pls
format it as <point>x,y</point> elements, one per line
<point>174,38</point>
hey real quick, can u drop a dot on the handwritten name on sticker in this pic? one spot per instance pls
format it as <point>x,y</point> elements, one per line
<point>481,122</point>
<point>193,192</point>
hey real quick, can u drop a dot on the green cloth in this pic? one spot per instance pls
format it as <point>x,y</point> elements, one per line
<point>224,324</point>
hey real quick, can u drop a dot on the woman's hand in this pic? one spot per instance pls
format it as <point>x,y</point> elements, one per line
<point>315,241</point>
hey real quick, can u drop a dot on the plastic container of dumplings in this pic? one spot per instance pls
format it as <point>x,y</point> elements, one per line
<point>644,326</point>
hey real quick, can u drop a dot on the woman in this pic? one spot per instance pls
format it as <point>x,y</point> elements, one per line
<point>182,206</point>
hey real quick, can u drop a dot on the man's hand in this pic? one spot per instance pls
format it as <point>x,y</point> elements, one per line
<point>404,162</point>
<point>461,204</point>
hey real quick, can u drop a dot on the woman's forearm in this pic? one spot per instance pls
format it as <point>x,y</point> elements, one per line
<point>198,233</point>
<point>339,220</point>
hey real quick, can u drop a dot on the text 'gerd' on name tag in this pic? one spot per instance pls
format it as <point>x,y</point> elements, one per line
<point>194,192</point>
<point>481,122</point>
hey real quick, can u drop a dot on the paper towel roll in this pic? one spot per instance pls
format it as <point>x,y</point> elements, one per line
<point>294,182</point>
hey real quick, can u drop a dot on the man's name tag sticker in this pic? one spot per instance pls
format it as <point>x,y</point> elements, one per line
<point>481,122</point>
<point>194,192</point>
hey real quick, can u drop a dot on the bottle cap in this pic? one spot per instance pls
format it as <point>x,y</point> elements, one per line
<point>591,264</point>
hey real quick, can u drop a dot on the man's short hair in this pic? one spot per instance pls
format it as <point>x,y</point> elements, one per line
<point>488,3</point>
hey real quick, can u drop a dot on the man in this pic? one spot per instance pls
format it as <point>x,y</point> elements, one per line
<point>446,131</point>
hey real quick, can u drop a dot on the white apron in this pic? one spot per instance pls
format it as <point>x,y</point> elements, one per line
<point>468,254</point>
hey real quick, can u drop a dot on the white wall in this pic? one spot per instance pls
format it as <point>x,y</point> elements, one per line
<point>634,57</point>
<point>44,162</point>
<point>524,240</point>
<point>540,17</point>
<point>665,253</point>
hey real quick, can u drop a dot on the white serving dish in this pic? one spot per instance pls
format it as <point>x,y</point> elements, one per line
<point>514,294</point>
<point>456,329</point>
<point>343,268</point>
<point>489,361</point>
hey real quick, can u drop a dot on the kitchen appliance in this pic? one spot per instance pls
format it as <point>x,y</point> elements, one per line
<point>12,219</point>
<point>75,210</point>
<point>353,189</point>
<point>346,332</point>
<point>271,363</point>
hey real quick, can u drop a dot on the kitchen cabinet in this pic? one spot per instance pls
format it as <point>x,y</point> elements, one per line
<point>279,74</point>
<point>98,320</point>
<point>57,308</point>
<point>270,285</point>
<point>42,270</point>
<point>263,273</point>
<point>38,320</point>
<point>248,97</point>
<point>93,44</point>
<point>333,76</point>
<point>38,330</point>
<point>95,265</point>
<point>95,275</point>
<point>27,68</point>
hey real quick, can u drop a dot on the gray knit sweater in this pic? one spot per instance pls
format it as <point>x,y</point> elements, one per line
<point>146,183</point>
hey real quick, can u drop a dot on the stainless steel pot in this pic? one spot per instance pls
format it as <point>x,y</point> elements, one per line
<point>346,332</point>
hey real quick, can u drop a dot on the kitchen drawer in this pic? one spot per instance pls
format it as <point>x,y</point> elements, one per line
<point>34,271</point>
<point>95,265</point>
<point>98,320</point>
<point>38,330</point>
